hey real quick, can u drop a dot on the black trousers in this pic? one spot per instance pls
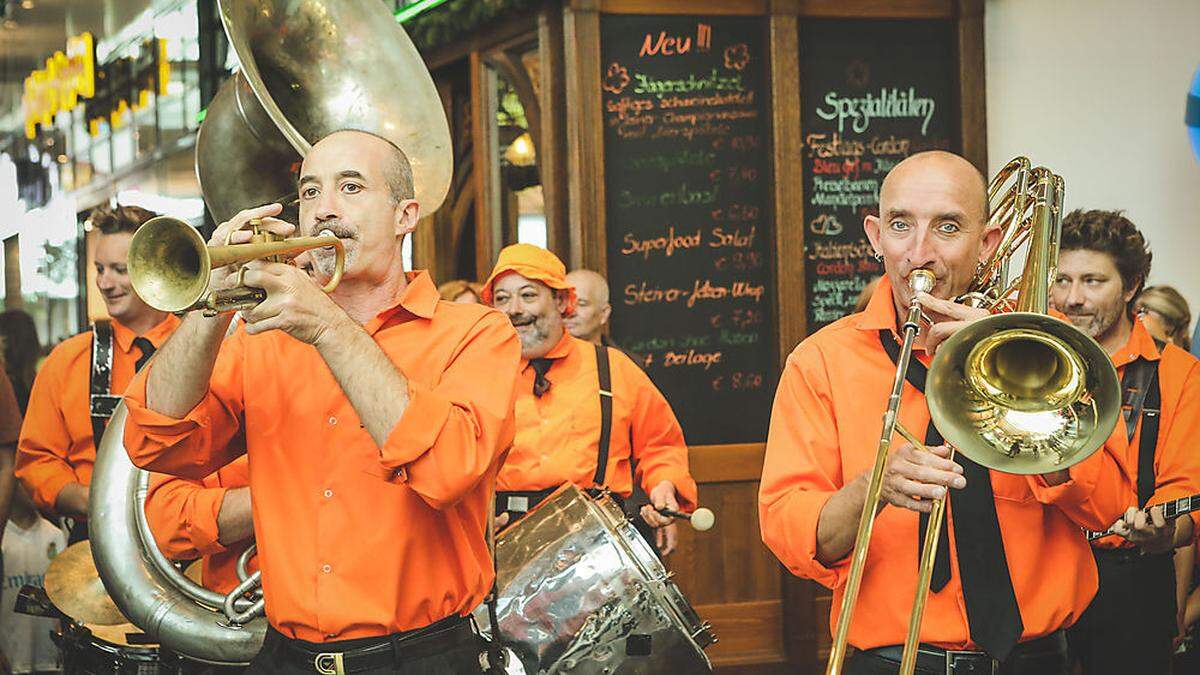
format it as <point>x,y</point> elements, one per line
<point>1129,626</point>
<point>457,657</point>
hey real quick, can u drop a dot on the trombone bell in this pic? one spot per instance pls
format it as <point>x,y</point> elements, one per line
<point>1023,393</point>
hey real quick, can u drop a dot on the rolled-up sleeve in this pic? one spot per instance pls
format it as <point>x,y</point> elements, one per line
<point>802,468</point>
<point>453,431</point>
<point>199,443</point>
<point>42,462</point>
<point>183,516</point>
<point>657,438</point>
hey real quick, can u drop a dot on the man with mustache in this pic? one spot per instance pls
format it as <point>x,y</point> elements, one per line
<point>583,411</point>
<point>81,381</point>
<point>1102,266</point>
<point>991,608</point>
<point>374,419</point>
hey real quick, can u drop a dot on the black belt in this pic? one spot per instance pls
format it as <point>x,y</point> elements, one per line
<point>353,656</point>
<point>957,662</point>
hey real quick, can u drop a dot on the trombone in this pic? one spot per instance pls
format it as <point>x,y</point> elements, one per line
<point>1018,391</point>
<point>170,265</point>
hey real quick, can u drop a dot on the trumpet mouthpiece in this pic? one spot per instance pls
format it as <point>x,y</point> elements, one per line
<point>921,281</point>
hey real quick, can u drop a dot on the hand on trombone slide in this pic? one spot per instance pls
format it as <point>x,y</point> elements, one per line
<point>914,477</point>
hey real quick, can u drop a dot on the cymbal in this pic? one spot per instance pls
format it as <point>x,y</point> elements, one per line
<point>118,634</point>
<point>73,585</point>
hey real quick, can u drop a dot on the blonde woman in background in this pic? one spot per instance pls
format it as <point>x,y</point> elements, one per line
<point>460,290</point>
<point>1166,315</point>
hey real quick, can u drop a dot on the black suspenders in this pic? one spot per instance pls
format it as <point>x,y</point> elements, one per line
<point>521,501</point>
<point>102,403</point>
<point>606,403</point>
<point>1143,400</point>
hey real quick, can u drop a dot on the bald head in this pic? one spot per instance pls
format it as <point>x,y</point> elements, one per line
<point>394,164</point>
<point>593,310</point>
<point>589,284</point>
<point>939,164</point>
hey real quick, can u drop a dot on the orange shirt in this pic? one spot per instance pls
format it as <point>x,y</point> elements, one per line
<point>1176,460</point>
<point>56,446</point>
<point>558,433</point>
<point>182,514</point>
<point>824,431</point>
<point>357,540</point>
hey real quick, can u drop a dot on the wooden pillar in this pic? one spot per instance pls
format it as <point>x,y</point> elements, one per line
<point>585,135</point>
<point>552,152</point>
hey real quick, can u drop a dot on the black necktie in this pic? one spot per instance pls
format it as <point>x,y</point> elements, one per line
<point>993,617</point>
<point>147,349</point>
<point>540,384</point>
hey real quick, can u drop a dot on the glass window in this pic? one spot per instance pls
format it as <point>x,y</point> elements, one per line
<point>521,205</point>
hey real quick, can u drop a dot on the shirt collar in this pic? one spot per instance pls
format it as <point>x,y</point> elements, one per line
<point>880,312</point>
<point>420,299</point>
<point>563,348</point>
<point>123,335</point>
<point>1139,345</point>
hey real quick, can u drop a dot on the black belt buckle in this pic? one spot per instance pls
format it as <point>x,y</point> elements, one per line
<point>975,663</point>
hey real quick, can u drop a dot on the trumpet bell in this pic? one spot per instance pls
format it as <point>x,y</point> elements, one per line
<point>1023,393</point>
<point>169,264</point>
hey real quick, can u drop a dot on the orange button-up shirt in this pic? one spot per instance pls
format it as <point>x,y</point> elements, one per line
<point>357,540</point>
<point>182,514</point>
<point>824,432</point>
<point>1176,459</point>
<point>558,433</point>
<point>56,446</point>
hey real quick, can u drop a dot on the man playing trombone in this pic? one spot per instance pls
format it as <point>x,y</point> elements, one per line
<point>1102,268</point>
<point>374,419</point>
<point>1013,569</point>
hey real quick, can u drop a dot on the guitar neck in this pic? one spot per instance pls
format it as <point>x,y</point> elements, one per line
<point>1171,511</point>
<point>1181,506</point>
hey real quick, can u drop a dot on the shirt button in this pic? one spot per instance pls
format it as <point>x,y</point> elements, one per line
<point>328,494</point>
<point>327,569</point>
<point>332,421</point>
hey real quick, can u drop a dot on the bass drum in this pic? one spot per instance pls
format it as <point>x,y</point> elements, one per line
<point>580,591</point>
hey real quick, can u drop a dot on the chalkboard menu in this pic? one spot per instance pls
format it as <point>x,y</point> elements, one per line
<point>871,93</point>
<point>687,192</point>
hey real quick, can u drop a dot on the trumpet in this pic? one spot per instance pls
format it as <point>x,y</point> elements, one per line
<point>1019,391</point>
<point>170,265</point>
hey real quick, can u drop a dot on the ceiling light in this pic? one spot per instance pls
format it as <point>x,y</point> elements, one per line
<point>26,4</point>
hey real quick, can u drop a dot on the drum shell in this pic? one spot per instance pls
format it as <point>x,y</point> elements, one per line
<point>580,591</point>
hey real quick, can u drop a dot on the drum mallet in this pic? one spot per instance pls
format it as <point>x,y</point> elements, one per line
<point>702,519</point>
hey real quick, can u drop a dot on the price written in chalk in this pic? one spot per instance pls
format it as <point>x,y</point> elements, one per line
<point>738,381</point>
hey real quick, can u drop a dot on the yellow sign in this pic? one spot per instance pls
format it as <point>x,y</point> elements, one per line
<point>59,86</point>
